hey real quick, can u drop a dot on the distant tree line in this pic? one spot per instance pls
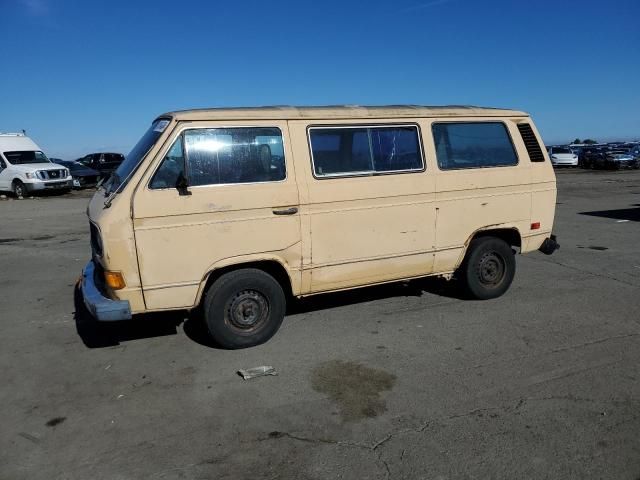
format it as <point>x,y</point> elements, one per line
<point>587,141</point>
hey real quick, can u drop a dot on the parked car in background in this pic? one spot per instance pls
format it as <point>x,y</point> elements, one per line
<point>562,157</point>
<point>618,159</point>
<point>104,163</point>
<point>24,168</point>
<point>83,176</point>
<point>610,159</point>
<point>591,156</point>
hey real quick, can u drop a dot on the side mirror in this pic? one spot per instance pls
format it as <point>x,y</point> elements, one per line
<point>182,185</point>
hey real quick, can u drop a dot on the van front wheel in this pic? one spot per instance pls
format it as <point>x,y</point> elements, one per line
<point>244,308</point>
<point>19,190</point>
<point>488,268</point>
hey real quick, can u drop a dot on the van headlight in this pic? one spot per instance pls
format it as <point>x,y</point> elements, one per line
<point>30,175</point>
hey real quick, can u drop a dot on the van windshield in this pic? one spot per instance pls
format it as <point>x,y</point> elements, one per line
<point>26,157</point>
<point>134,158</point>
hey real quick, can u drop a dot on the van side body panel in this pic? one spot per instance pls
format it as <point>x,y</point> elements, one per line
<point>182,238</point>
<point>363,229</point>
<point>471,200</point>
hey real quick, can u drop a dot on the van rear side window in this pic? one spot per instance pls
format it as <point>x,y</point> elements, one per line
<point>365,150</point>
<point>473,145</point>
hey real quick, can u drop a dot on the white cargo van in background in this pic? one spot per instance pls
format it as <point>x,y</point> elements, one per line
<point>25,169</point>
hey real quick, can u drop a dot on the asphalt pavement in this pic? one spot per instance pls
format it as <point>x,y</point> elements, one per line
<point>400,381</point>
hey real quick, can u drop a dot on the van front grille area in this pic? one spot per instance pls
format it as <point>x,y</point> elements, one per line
<point>530,141</point>
<point>96,241</point>
<point>53,174</point>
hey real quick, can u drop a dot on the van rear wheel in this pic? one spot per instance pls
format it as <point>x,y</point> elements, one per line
<point>244,308</point>
<point>488,268</point>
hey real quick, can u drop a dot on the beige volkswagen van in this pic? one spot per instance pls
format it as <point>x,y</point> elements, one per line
<point>239,209</point>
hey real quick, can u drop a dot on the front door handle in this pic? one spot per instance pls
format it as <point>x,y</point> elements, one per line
<point>286,211</point>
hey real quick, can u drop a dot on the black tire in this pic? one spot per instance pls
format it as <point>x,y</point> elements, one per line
<point>18,188</point>
<point>488,268</point>
<point>244,308</point>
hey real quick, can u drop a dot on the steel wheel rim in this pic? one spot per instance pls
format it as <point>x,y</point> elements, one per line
<point>491,269</point>
<point>247,311</point>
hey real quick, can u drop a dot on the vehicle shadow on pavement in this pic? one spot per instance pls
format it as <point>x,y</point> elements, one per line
<point>412,288</point>
<point>95,334</point>
<point>630,214</point>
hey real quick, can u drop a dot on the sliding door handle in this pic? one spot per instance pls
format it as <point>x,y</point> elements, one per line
<point>286,211</point>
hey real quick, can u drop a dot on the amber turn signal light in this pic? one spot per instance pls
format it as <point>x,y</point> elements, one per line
<point>114,280</point>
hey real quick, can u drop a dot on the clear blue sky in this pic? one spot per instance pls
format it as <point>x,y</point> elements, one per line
<point>85,76</point>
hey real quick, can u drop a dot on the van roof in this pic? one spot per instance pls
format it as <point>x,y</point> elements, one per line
<point>341,111</point>
<point>17,142</point>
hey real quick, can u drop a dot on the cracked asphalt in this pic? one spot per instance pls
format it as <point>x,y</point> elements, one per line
<point>401,381</point>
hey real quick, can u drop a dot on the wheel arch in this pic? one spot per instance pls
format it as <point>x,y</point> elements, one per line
<point>509,234</point>
<point>271,265</point>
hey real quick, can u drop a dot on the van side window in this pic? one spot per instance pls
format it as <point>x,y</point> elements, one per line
<point>473,145</point>
<point>171,169</point>
<point>234,155</point>
<point>365,150</point>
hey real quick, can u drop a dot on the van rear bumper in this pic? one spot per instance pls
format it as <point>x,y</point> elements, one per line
<point>549,245</point>
<point>101,307</point>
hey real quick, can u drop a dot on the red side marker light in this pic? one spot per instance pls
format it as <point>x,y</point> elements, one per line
<point>535,226</point>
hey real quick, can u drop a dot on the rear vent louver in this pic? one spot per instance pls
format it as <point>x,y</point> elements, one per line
<point>530,141</point>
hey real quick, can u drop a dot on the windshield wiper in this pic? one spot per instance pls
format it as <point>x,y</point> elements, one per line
<point>112,183</point>
<point>110,191</point>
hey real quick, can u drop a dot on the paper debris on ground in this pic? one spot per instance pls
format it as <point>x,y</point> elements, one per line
<point>254,372</point>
